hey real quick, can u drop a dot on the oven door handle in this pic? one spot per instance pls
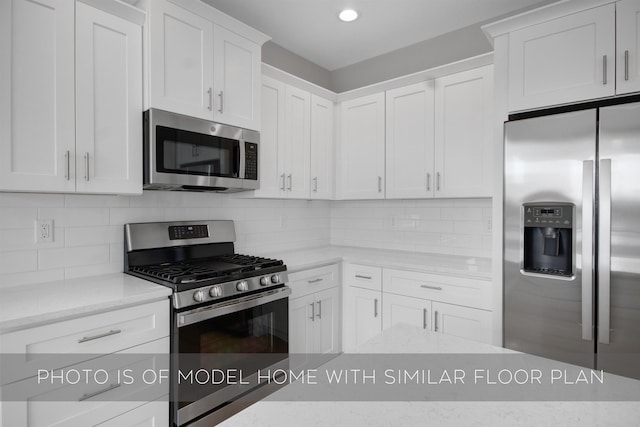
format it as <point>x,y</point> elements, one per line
<point>220,309</point>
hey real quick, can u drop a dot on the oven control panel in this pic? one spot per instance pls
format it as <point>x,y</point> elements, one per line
<point>179,232</point>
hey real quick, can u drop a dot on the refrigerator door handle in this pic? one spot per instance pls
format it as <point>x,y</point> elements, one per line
<point>587,250</point>
<point>604,253</point>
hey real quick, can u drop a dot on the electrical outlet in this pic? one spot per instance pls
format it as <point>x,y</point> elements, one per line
<point>44,230</point>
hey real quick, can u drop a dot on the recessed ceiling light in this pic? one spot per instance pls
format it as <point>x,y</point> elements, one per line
<point>348,15</point>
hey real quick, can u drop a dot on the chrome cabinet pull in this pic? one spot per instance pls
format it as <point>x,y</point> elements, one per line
<point>313,312</point>
<point>359,276</point>
<point>95,337</point>
<point>436,288</point>
<point>604,70</point>
<point>626,65</point>
<point>320,279</point>
<point>282,178</point>
<point>424,318</point>
<point>319,315</point>
<point>375,307</point>
<point>587,249</point>
<point>315,184</point>
<point>221,96</point>
<point>379,184</point>
<point>67,157</point>
<point>86,161</point>
<point>438,181</point>
<point>290,177</point>
<point>210,93</point>
<point>435,321</point>
<point>94,394</point>
<point>604,253</point>
<point>428,181</point>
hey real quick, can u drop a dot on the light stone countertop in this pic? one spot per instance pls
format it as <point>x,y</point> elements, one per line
<point>32,305</point>
<point>409,339</point>
<point>456,265</point>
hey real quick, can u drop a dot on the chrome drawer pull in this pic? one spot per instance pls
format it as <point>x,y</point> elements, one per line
<point>94,394</point>
<point>319,310</point>
<point>320,279</point>
<point>313,312</point>
<point>359,276</point>
<point>435,288</point>
<point>95,337</point>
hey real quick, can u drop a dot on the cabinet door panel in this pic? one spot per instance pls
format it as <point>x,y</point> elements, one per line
<point>322,145</point>
<point>327,324</point>
<point>109,103</point>
<point>628,46</point>
<point>409,142</point>
<point>562,60</point>
<point>363,319</point>
<point>361,160</point>
<point>181,68</point>
<point>400,309</point>
<point>297,142</point>
<point>37,127</point>
<point>236,74</point>
<point>463,322</point>
<point>463,136</point>
<point>301,325</point>
<point>271,156</point>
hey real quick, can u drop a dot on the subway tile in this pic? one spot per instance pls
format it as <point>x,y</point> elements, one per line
<point>465,213</point>
<point>17,239</point>
<point>32,200</point>
<point>470,227</point>
<point>186,214</point>
<point>73,257</point>
<point>17,217</point>
<point>435,226</point>
<point>120,216</point>
<point>91,270</point>
<point>75,217</point>
<point>26,278</point>
<point>96,201</point>
<point>18,261</point>
<point>88,236</point>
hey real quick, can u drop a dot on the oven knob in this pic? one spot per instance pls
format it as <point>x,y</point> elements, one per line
<point>215,292</point>
<point>198,296</point>
<point>242,286</point>
<point>264,281</point>
<point>275,278</point>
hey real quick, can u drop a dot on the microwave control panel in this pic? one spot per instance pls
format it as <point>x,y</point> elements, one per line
<point>251,160</point>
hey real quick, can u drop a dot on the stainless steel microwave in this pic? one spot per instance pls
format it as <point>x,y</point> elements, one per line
<point>187,153</point>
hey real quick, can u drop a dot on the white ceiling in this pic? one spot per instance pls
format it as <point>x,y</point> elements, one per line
<point>311,29</point>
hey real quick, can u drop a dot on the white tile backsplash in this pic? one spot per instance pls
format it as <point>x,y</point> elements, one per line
<point>88,229</point>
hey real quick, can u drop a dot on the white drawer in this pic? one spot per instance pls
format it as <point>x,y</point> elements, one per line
<point>450,289</point>
<point>72,341</point>
<point>72,404</point>
<point>314,280</point>
<point>363,276</point>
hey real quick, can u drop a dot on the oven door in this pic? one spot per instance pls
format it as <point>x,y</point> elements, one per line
<point>220,349</point>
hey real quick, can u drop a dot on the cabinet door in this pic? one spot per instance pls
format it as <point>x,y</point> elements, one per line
<point>567,59</point>
<point>297,142</point>
<point>327,321</point>
<point>463,136</point>
<point>181,60</point>
<point>409,142</point>
<point>464,322</point>
<point>108,103</point>
<point>322,159</point>
<point>362,155</point>
<point>152,414</point>
<point>628,46</point>
<point>236,79</point>
<point>271,156</point>
<point>401,309</point>
<point>37,106</point>
<point>301,325</point>
<point>363,316</point>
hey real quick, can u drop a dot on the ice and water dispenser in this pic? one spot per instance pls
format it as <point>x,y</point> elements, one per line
<point>548,238</point>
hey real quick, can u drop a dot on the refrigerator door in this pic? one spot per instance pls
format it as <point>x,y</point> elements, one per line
<point>619,241</point>
<point>550,161</point>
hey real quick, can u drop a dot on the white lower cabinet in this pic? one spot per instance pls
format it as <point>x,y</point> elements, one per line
<point>130,341</point>
<point>363,304</point>
<point>314,311</point>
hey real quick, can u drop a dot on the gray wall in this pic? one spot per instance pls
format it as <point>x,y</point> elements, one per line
<point>464,43</point>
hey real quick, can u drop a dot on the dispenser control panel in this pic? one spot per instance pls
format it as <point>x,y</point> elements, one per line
<point>557,216</point>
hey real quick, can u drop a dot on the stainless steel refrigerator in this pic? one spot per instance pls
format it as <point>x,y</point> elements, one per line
<point>572,237</point>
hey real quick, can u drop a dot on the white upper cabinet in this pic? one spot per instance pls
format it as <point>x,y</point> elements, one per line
<point>181,60</point>
<point>202,68</point>
<point>236,79</point>
<point>271,155</point>
<point>71,117</point>
<point>628,46</point>
<point>463,134</point>
<point>322,146</point>
<point>361,153</point>
<point>297,135</point>
<point>409,141</point>
<point>108,103</point>
<point>563,60</point>
<point>37,107</point>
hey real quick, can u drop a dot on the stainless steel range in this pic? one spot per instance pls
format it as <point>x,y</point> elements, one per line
<point>230,315</point>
